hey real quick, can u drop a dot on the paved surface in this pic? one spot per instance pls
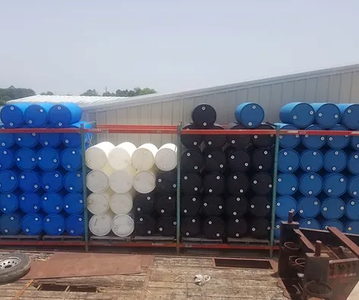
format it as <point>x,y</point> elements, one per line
<point>355,293</point>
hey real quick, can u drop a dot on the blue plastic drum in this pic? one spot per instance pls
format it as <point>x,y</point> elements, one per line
<point>25,159</point>
<point>71,159</point>
<point>52,203</point>
<point>286,140</point>
<point>7,140</point>
<point>8,181</point>
<point>9,203</point>
<point>31,224</point>
<point>7,159</point>
<point>73,182</point>
<point>75,225</point>
<point>287,184</point>
<point>309,223</point>
<point>326,114</point>
<point>278,222</point>
<point>249,114</point>
<point>27,140</point>
<point>338,141</point>
<point>48,159</point>
<point>73,140</point>
<point>10,224</point>
<point>12,115</point>
<point>308,207</point>
<point>284,205</point>
<point>52,181</point>
<point>288,160</point>
<point>29,181</point>
<point>50,140</point>
<point>352,227</point>
<point>332,223</point>
<point>314,141</point>
<point>349,114</point>
<point>335,160</point>
<point>335,184</point>
<point>352,209</point>
<point>74,203</point>
<point>353,186</point>
<point>310,184</point>
<point>353,163</point>
<point>333,208</point>
<point>36,115</point>
<point>54,224</point>
<point>64,115</point>
<point>311,160</point>
<point>354,142</point>
<point>299,114</point>
<point>29,203</point>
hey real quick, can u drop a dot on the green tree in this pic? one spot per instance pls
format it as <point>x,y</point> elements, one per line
<point>90,93</point>
<point>108,94</point>
<point>47,93</point>
<point>135,92</point>
<point>12,93</point>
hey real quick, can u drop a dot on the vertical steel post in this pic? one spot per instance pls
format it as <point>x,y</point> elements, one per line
<point>274,191</point>
<point>178,210</point>
<point>86,218</point>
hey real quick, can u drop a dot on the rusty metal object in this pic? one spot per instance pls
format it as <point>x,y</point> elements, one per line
<point>345,240</point>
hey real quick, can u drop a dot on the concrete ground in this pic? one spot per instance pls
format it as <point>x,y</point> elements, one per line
<point>355,294</point>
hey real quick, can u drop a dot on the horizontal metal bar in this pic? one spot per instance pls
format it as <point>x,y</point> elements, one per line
<point>320,132</point>
<point>228,131</point>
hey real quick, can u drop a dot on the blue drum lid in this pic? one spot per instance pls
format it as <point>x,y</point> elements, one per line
<point>335,160</point>
<point>48,159</point>
<point>333,208</point>
<point>326,114</point>
<point>29,203</point>
<point>27,140</point>
<point>10,224</point>
<point>314,141</point>
<point>287,184</point>
<point>311,160</point>
<point>25,159</point>
<point>63,115</point>
<point>299,114</point>
<point>52,181</point>
<point>249,114</point>
<point>29,181</point>
<point>309,223</point>
<point>75,225</point>
<point>12,115</point>
<point>335,184</point>
<point>8,181</point>
<point>31,224</point>
<point>284,205</point>
<point>354,142</point>
<point>7,160</point>
<point>74,203</point>
<point>54,224</point>
<point>36,115</point>
<point>353,163</point>
<point>288,141</point>
<point>338,141</point>
<point>52,203</point>
<point>51,140</point>
<point>308,207</point>
<point>352,209</point>
<point>333,223</point>
<point>7,140</point>
<point>349,114</point>
<point>73,181</point>
<point>353,186</point>
<point>352,227</point>
<point>288,160</point>
<point>71,159</point>
<point>73,140</point>
<point>310,184</point>
<point>8,203</point>
<point>278,222</point>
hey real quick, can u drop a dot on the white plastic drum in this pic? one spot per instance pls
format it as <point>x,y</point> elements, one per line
<point>99,203</point>
<point>97,155</point>
<point>123,225</point>
<point>166,157</point>
<point>122,181</point>
<point>101,225</point>
<point>143,159</point>
<point>144,182</point>
<point>121,204</point>
<point>98,181</point>
<point>119,157</point>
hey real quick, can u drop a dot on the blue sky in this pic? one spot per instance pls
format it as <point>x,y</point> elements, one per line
<point>71,46</point>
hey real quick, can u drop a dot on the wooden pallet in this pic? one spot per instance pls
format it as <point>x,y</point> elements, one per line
<point>201,240</point>
<point>63,238</point>
<point>154,238</point>
<point>248,240</point>
<point>20,237</point>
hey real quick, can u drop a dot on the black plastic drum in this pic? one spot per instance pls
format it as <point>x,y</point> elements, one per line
<point>166,226</point>
<point>214,228</point>
<point>192,160</point>
<point>238,160</point>
<point>213,206</point>
<point>238,141</point>
<point>236,206</point>
<point>261,183</point>
<point>236,227</point>
<point>215,140</point>
<point>204,116</point>
<point>166,205</point>
<point>237,183</point>
<point>144,203</point>
<point>191,141</point>
<point>259,206</point>
<point>190,205</point>
<point>263,140</point>
<point>166,182</point>
<point>191,183</point>
<point>259,228</point>
<point>214,183</point>
<point>145,225</point>
<point>262,159</point>
<point>190,226</point>
<point>215,160</point>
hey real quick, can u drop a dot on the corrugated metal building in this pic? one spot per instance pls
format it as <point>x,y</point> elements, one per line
<point>338,85</point>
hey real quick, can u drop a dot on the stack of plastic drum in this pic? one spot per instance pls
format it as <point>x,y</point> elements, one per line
<point>41,173</point>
